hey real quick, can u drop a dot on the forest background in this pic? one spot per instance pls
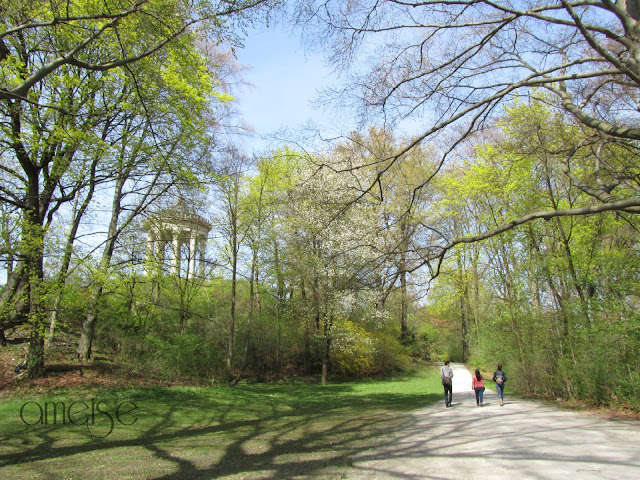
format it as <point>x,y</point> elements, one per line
<point>506,231</point>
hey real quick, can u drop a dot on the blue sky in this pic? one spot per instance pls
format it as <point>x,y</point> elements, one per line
<point>285,79</point>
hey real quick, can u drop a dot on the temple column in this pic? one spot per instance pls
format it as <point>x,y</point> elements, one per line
<point>175,260</point>
<point>150,251</point>
<point>174,231</point>
<point>201,248</point>
<point>154,253</point>
<point>192,253</point>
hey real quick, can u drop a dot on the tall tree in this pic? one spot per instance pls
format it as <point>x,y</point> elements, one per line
<point>230,182</point>
<point>157,145</point>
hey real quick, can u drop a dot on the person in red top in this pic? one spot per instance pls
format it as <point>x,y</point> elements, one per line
<point>477,384</point>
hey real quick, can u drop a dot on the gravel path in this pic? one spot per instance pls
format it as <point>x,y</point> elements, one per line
<point>522,440</point>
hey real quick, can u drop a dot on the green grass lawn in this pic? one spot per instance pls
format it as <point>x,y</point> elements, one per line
<point>251,431</point>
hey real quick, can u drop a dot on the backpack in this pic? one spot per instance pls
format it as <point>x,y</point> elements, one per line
<point>499,379</point>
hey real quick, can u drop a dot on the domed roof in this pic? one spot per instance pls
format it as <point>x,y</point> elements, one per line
<point>181,213</point>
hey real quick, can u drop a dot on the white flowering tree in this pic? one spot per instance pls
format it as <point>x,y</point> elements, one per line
<point>330,240</point>
<point>401,204</point>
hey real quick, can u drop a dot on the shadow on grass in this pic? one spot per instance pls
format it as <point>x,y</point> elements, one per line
<point>257,431</point>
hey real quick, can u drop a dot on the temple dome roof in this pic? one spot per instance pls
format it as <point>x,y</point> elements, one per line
<point>181,213</point>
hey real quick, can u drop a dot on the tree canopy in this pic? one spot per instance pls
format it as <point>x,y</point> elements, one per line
<point>447,66</point>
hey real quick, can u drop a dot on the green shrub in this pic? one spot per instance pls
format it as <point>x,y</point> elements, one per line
<point>178,355</point>
<point>390,354</point>
<point>353,349</point>
<point>427,337</point>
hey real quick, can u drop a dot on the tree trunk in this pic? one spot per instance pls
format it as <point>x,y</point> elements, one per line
<point>327,348</point>
<point>14,305</point>
<point>308,357</point>
<point>6,238</point>
<point>316,302</point>
<point>54,161</point>
<point>86,337</point>
<point>34,252</point>
<point>463,299</point>
<point>233,219</point>
<point>465,325</point>
<point>564,238</point>
<point>232,324</point>
<point>77,215</point>
<point>280,303</point>
<point>88,326</point>
<point>183,313</point>
<point>476,291</point>
<point>247,333</point>
<point>404,328</point>
<point>32,249</point>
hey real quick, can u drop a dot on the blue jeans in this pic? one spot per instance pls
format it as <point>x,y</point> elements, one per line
<point>448,393</point>
<point>499,389</point>
<point>479,394</point>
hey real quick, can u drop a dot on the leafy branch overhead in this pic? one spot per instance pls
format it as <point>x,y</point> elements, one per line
<point>446,67</point>
<point>100,37</point>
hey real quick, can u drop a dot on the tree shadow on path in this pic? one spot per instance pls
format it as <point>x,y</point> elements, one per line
<point>523,440</point>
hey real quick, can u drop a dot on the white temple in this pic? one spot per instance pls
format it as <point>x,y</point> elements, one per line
<point>176,240</point>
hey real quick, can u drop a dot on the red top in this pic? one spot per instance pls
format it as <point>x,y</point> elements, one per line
<point>478,383</point>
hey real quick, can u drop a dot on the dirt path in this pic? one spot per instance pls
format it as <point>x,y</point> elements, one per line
<point>522,440</point>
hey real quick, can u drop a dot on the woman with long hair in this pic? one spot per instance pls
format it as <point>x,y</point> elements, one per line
<point>477,385</point>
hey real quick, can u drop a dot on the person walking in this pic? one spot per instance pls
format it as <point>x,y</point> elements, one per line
<point>446,373</point>
<point>500,378</point>
<point>477,385</point>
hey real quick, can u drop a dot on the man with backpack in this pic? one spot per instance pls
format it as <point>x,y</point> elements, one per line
<point>446,373</point>
<point>500,378</point>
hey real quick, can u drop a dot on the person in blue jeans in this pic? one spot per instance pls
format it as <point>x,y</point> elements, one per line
<point>446,373</point>
<point>477,385</point>
<point>500,378</point>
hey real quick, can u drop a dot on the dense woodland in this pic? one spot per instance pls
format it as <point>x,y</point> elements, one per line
<point>504,230</point>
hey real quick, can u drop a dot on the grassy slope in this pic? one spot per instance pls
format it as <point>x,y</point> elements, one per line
<point>252,431</point>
